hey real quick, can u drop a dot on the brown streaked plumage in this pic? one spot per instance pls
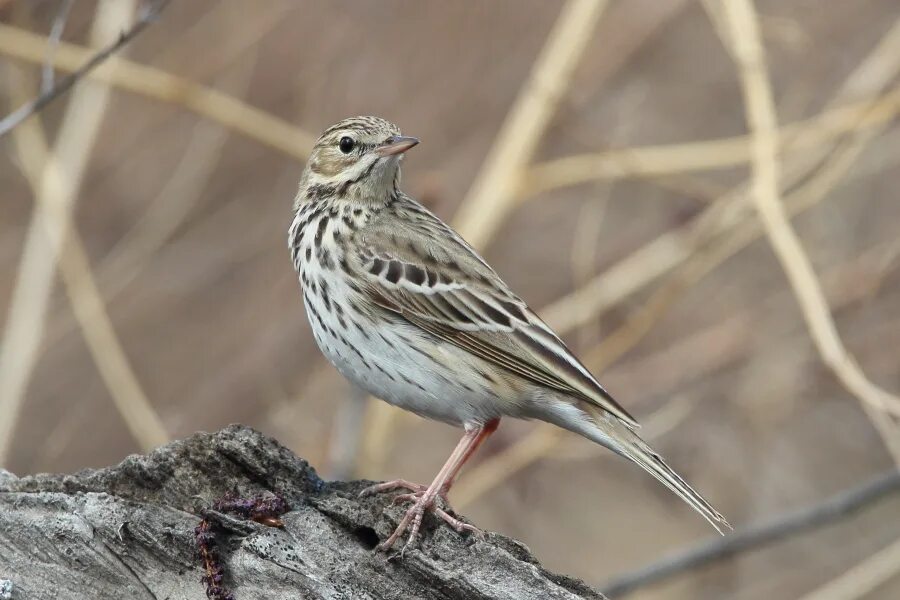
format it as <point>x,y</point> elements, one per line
<point>406,309</point>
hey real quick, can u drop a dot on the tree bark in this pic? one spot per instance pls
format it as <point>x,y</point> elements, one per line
<point>128,532</point>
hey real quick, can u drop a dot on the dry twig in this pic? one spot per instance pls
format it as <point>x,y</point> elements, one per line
<point>672,248</point>
<point>706,155</point>
<point>165,212</point>
<point>56,179</point>
<point>61,87</point>
<point>493,190</point>
<point>148,81</point>
<point>59,24</point>
<point>838,507</point>
<point>861,579</point>
<point>743,25</point>
<point>676,250</point>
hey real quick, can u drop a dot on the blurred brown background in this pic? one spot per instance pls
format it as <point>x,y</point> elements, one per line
<point>183,218</point>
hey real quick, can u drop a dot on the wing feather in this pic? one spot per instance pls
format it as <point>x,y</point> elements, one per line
<point>466,304</point>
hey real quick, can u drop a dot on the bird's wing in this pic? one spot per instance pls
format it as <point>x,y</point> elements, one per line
<point>449,291</point>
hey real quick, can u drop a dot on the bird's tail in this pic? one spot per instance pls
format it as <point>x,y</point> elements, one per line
<point>620,438</point>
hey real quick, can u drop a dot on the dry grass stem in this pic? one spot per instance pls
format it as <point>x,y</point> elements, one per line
<point>582,256</point>
<point>505,464</point>
<point>750,57</point>
<point>721,226</point>
<point>56,179</point>
<point>57,186</point>
<point>493,192</point>
<point>664,253</point>
<point>166,211</point>
<point>45,97</point>
<point>212,104</point>
<point>668,159</point>
<point>137,412</point>
<point>648,161</point>
<point>696,266</point>
<point>172,205</point>
<point>861,579</point>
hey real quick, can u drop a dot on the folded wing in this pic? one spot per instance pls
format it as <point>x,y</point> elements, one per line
<point>466,304</point>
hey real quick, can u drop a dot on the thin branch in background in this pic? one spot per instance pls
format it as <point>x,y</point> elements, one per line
<point>582,256</point>
<point>707,351</point>
<point>648,161</point>
<point>501,466</point>
<point>493,191</point>
<point>836,508</point>
<point>343,445</point>
<point>48,74</point>
<point>167,210</point>
<point>672,159</point>
<point>639,322</point>
<point>646,264</point>
<point>742,21</point>
<point>861,579</point>
<point>56,179</point>
<point>63,85</point>
<point>209,103</point>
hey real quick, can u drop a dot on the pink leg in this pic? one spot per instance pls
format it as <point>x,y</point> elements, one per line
<point>424,501</point>
<point>486,430</point>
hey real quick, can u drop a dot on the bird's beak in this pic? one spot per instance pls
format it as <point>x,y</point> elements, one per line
<point>396,144</point>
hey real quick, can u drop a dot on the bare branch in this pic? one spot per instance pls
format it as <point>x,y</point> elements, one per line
<point>840,506</point>
<point>706,155</point>
<point>647,264</point>
<point>56,179</point>
<point>742,21</point>
<point>59,24</point>
<point>861,579</point>
<point>687,271</point>
<point>493,189</point>
<point>207,102</point>
<point>17,116</point>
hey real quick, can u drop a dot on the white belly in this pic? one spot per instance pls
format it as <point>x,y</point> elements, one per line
<point>434,381</point>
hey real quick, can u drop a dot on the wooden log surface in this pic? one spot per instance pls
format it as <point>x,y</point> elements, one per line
<point>127,532</point>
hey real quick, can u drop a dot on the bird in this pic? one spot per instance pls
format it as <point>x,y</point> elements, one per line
<point>407,310</point>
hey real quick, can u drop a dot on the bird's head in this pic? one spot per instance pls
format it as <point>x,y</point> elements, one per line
<point>356,159</point>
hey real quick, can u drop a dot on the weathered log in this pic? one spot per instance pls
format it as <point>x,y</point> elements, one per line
<point>128,532</point>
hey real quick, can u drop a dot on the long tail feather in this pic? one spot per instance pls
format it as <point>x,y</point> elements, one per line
<point>606,429</point>
<point>639,452</point>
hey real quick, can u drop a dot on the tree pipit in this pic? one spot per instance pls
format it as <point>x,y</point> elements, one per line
<point>407,310</point>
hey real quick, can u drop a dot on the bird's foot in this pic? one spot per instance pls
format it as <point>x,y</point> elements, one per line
<point>423,502</point>
<point>416,490</point>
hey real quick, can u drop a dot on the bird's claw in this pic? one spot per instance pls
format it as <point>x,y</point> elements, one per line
<point>388,486</point>
<point>415,514</point>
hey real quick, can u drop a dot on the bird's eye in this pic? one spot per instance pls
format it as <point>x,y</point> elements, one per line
<point>346,144</point>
